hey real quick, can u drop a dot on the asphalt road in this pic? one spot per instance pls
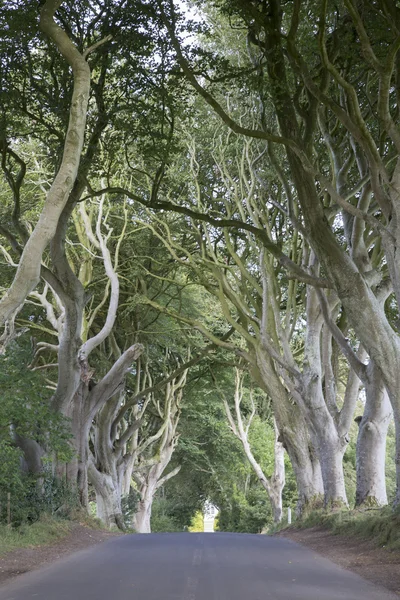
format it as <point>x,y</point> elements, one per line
<point>201,566</point>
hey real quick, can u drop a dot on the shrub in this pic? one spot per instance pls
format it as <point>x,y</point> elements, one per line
<point>31,496</point>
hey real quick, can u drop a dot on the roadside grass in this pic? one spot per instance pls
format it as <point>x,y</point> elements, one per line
<point>381,525</point>
<point>44,531</point>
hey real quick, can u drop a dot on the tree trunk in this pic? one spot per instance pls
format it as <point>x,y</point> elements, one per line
<point>307,469</point>
<point>126,478</point>
<point>371,442</point>
<point>319,407</point>
<point>277,481</point>
<point>329,445</point>
<point>142,518</point>
<point>104,473</point>
<point>363,309</point>
<point>141,521</point>
<point>331,457</point>
<point>75,471</point>
<point>108,497</point>
<point>33,454</point>
<point>303,455</point>
<point>294,436</point>
<point>275,485</point>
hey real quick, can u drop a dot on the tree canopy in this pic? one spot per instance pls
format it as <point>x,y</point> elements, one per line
<point>199,272</point>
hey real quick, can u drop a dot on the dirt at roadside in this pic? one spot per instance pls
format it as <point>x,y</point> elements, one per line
<point>28,559</point>
<point>378,565</point>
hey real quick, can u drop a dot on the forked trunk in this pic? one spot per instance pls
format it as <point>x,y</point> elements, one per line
<point>294,435</point>
<point>307,471</point>
<point>108,497</point>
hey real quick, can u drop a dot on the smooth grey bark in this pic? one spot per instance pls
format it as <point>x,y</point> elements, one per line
<point>321,414</point>
<point>108,496</point>
<point>312,385</point>
<point>371,442</point>
<point>293,434</point>
<point>75,397</point>
<point>33,454</point>
<point>76,468</point>
<point>364,313</point>
<point>82,409</point>
<point>298,129</point>
<point>278,478</point>
<point>142,518</point>
<point>121,453</point>
<point>72,389</point>
<point>148,483</point>
<point>109,386</point>
<point>109,465</point>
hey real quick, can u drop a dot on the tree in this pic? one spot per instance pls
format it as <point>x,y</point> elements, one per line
<point>153,453</point>
<point>275,484</point>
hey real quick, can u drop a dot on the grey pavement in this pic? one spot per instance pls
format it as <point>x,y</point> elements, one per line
<point>194,566</point>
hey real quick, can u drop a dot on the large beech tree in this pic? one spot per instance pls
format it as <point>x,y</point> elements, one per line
<point>75,395</point>
<point>76,156</point>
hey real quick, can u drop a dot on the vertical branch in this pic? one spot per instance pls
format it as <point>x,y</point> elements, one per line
<point>110,267</point>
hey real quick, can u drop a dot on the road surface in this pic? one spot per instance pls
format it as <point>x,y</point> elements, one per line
<point>194,566</point>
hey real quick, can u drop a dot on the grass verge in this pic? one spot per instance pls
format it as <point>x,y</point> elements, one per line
<point>46,530</point>
<point>381,525</point>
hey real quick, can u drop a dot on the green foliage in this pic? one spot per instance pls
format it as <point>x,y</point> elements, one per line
<point>162,519</point>
<point>213,463</point>
<point>25,414</point>
<point>197,523</point>
<point>144,146</point>
<point>24,405</point>
<point>129,507</point>
<point>246,513</point>
<point>31,496</point>
<point>10,468</point>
